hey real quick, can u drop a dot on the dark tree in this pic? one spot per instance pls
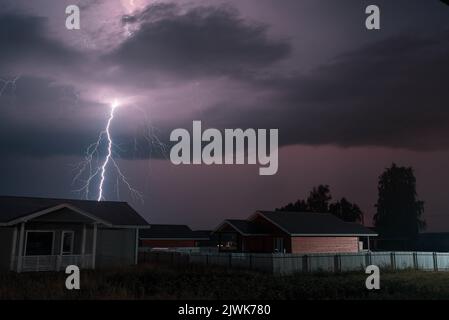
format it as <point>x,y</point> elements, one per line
<point>318,200</point>
<point>347,211</point>
<point>398,209</point>
<point>298,206</point>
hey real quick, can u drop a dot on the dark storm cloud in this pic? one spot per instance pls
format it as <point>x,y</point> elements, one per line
<point>24,41</point>
<point>197,41</point>
<point>42,118</point>
<point>391,93</point>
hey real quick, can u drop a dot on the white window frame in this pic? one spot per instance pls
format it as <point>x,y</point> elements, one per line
<point>72,244</point>
<point>39,231</point>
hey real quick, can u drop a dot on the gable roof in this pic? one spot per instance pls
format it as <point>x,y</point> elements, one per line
<point>171,231</point>
<point>246,227</point>
<point>314,224</point>
<point>114,213</point>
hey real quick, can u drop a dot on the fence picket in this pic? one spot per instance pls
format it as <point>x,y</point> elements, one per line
<point>292,263</point>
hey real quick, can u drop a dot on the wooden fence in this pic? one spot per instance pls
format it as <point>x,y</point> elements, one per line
<point>292,263</point>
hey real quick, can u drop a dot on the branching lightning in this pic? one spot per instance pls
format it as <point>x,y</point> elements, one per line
<point>97,170</point>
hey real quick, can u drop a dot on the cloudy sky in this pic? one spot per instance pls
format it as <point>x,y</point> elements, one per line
<point>347,102</point>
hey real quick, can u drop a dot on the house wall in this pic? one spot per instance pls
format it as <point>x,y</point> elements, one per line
<point>258,244</point>
<point>168,243</point>
<point>59,228</point>
<point>265,244</point>
<point>324,244</point>
<point>6,235</point>
<point>115,247</point>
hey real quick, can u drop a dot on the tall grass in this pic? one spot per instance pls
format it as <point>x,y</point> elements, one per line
<point>195,282</point>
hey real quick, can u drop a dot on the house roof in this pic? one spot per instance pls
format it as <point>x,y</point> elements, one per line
<point>323,224</point>
<point>246,227</point>
<point>115,213</point>
<point>170,231</point>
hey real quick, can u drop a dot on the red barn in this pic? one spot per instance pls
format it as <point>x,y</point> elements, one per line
<point>291,232</point>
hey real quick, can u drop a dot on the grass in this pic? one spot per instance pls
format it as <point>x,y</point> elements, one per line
<point>161,282</point>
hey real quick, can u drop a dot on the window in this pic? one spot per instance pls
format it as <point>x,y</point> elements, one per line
<point>67,243</point>
<point>39,243</point>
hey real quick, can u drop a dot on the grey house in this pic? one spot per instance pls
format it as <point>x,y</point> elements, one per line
<point>38,234</point>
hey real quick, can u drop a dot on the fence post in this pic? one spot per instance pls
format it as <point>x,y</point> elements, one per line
<point>337,263</point>
<point>393,260</point>
<point>435,261</point>
<point>305,263</point>
<point>368,258</point>
<point>415,261</point>
<point>230,260</point>
<point>250,261</point>
<point>58,263</point>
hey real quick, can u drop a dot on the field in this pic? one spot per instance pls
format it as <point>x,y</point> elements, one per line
<point>194,282</point>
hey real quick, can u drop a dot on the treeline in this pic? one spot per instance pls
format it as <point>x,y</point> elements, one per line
<point>398,210</point>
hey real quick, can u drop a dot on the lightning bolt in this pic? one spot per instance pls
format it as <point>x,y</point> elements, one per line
<point>97,169</point>
<point>109,155</point>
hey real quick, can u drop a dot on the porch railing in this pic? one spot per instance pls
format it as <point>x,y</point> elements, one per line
<point>53,262</point>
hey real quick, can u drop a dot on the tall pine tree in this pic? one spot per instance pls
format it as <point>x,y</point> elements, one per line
<point>399,211</point>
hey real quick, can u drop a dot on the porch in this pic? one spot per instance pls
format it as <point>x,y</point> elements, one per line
<point>53,262</point>
<point>39,234</point>
<point>50,246</point>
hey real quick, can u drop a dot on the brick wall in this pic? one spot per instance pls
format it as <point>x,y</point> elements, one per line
<point>324,244</point>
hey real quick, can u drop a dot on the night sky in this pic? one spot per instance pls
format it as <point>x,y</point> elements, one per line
<point>347,101</point>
